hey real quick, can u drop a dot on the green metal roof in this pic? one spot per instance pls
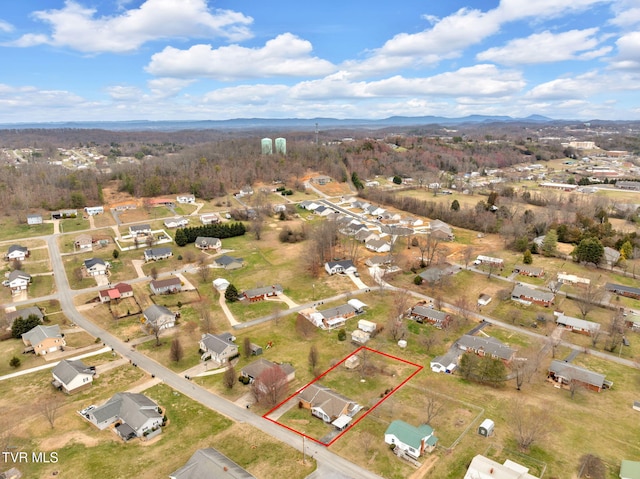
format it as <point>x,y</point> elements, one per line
<point>630,470</point>
<point>408,434</point>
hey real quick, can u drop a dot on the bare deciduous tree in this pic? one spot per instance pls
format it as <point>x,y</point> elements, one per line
<point>176,352</point>
<point>529,424</point>
<point>429,248</point>
<point>396,325</point>
<point>304,327</point>
<point>313,357</point>
<point>592,467</point>
<point>49,407</point>
<point>203,268</point>
<point>246,349</point>
<point>154,273</point>
<point>588,298</point>
<point>467,254</point>
<point>229,377</point>
<point>270,387</point>
<point>432,408</point>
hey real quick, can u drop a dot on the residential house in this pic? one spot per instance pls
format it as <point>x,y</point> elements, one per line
<point>177,222</point>
<point>630,469</point>
<point>433,274</point>
<point>83,242</point>
<point>72,376</point>
<point>34,219</point>
<point>411,440</point>
<point>528,270</point>
<point>62,214</point>
<point>157,254</point>
<point>44,339</point>
<point>140,230</point>
<point>345,266</point>
<point>623,290</point>
<point>489,261</point>
<point>565,278</point>
<point>24,314</point>
<point>228,262</point>
<point>161,202</point>
<point>484,299</point>
<point>491,347</point>
<point>218,347</point>
<point>632,323</point>
<point>210,463</point>
<point>482,467</point>
<point>564,375</point>
<point>308,205</point>
<point>159,317</point>
<point>364,235</point>
<point>96,266</point>
<point>423,314</point>
<point>611,256</point>
<point>378,261</point>
<point>327,404</point>
<point>321,179</point>
<point>135,414</point>
<point>324,211</point>
<point>210,218</point>
<point>17,252</point>
<point>527,295</point>
<point>378,245</point>
<point>258,294</point>
<point>576,325</point>
<point>446,363</point>
<point>94,210</point>
<point>166,286</point>
<point>256,368</point>
<point>207,242</point>
<point>441,230</point>
<point>335,317</point>
<point>119,291</point>
<point>186,199</point>
<point>18,281</point>
<point>373,210</point>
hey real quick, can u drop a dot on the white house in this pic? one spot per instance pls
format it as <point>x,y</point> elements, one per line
<point>159,317</point>
<point>367,326</point>
<point>412,440</point>
<point>140,230</point>
<point>378,245</point>
<point>186,199</point>
<point>94,210</point>
<point>218,347</point>
<point>34,219</point>
<point>177,222</point>
<point>210,218</point>
<point>156,254</point>
<point>482,467</point>
<point>207,242</point>
<point>344,266</point>
<point>18,281</point>
<point>17,252</point>
<point>96,266</point>
<point>72,376</point>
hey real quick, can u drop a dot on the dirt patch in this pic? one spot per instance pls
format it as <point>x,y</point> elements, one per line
<point>59,441</point>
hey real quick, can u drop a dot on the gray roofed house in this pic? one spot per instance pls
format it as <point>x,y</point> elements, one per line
<point>228,262</point>
<point>34,219</point>
<point>327,404</point>
<point>72,376</point>
<point>209,463</point>
<point>526,294</point>
<point>137,411</point>
<point>166,286</point>
<point>96,266</point>
<point>440,229</point>
<point>446,363</point>
<point>564,374</point>
<point>208,242</point>
<point>528,270</point>
<point>378,245</point>
<point>218,347</point>
<point>439,319</point>
<point>159,316</point>
<point>18,281</point>
<point>337,316</point>
<point>342,266</point>
<point>44,339</point>
<point>258,294</point>
<point>253,370</point>
<point>486,347</point>
<point>18,252</point>
<point>623,290</point>
<point>24,314</point>
<point>155,254</point>
<point>578,325</point>
<point>136,230</point>
<point>611,256</point>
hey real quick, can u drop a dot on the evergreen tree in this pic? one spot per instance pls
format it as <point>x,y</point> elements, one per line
<point>589,250</point>
<point>527,257</point>
<point>23,325</point>
<point>626,250</point>
<point>181,237</point>
<point>397,180</point>
<point>231,294</point>
<point>455,205</point>
<point>550,243</point>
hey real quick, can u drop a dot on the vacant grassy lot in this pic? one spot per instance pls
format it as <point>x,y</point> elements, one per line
<point>11,229</point>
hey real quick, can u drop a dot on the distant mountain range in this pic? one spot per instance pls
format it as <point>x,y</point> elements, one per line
<point>255,123</point>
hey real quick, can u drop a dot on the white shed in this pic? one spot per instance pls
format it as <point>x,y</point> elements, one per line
<point>357,304</point>
<point>486,428</point>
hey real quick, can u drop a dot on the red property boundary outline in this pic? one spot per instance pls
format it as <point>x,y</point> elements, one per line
<point>418,369</point>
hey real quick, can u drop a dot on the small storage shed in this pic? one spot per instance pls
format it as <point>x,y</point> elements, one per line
<point>366,326</point>
<point>486,428</point>
<point>255,350</point>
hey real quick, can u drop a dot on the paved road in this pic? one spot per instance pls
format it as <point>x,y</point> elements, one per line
<point>185,386</point>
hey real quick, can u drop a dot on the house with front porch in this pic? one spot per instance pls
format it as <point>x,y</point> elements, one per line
<point>210,218</point>
<point>18,281</point>
<point>166,286</point>
<point>140,230</point>
<point>157,254</point>
<point>186,199</point>
<point>566,375</point>
<point>491,347</point>
<point>327,404</point>
<point>207,243</point>
<point>528,270</point>
<point>527,295</point>
<point>218,347</point>
<point>177,222</point>
<point>413,441</point>
<point>259,294</point>
<point>622,290</point>
<point>134,415</point>
<point>159,317</point>
<point>119,291</point>
<point>256,368</point>
<point>424,314</point>
<point>344,266</point>
<point>577,325</point>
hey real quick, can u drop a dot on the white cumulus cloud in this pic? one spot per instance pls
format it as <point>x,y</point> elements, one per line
<point>77,27</point>
<point>285,55</point>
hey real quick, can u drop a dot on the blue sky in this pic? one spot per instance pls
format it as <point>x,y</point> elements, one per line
<point>78,60</point>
